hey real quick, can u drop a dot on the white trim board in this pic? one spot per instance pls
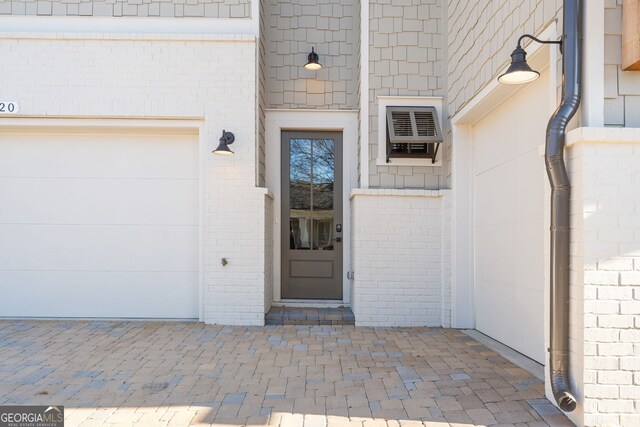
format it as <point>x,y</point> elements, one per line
<point>99,125</point>
<point>364,94</point>
<point>593,80</point>
<point>324,120</point>
<point>110,24</point>
<point>603,135</point>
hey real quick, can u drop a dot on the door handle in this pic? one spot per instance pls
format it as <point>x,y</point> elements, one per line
<point>338,228</point>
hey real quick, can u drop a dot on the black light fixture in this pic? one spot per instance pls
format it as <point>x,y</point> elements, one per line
<point>519,71</point>
<point>226,139</point>
<point>313,64</point>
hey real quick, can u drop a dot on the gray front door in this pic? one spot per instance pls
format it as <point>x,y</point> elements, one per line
<point>312,215</point>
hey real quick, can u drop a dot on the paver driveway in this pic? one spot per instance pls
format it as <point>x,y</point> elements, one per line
<point>177,374</point>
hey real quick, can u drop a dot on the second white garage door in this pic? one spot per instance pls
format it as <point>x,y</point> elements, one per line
<point>99,225</point>
<point>510,182</point>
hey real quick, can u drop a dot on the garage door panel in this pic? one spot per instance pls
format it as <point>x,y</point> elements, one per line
<point>99,248</point>
<point>494,245</point>
<point>508,131</point>
<point>517,307</point>
<point>99,156</point>
<point>93,201</point>
<point>491,186</point>
<point>528,250</point>
<point>531,181</point>
<point>99,294</point>
<point>509,185</point>
<point>529,310</point>
<point>500,296</point>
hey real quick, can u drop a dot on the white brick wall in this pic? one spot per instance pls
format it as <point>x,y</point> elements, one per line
<point>576,286</point>
<point>400,262</point>
<point>236,230</point>
<point>606,248</point>
<point>268,248</point>
<point>445,259</point>
<point>137,8</point>
<point>167,76</point>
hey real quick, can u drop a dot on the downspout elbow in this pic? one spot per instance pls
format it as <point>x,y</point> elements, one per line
<point>562,391</point>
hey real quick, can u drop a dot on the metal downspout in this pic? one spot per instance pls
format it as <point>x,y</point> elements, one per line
<point>560,204</point>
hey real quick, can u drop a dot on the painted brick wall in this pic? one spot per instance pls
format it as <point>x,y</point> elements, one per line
<point>268,250</point>
<point>399,259</point>
<point>606,262</point>
<point>445,259</point>
<point>573,157</point>
<point>132,8</point>
<point>293,28</point>
<point>481,36</point>
<point>178,76</point>
<point>406,57</point>
<point>622,88</point>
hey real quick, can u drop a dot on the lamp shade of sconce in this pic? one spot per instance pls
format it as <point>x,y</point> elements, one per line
<point>312,61</point>
<point>226,139</point>
<point>519,71</point>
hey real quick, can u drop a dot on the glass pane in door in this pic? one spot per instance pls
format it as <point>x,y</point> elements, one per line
<point>322,193</point>
<point>300,194</point>
<point>311,194</point>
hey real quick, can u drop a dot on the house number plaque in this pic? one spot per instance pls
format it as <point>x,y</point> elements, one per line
<point>9,107</point>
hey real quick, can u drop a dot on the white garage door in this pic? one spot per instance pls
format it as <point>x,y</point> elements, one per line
<point>98,225</point>
<point>510,181</point>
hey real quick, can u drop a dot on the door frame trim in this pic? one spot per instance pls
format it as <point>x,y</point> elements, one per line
<point>310,286</point>
<point>345,121</point>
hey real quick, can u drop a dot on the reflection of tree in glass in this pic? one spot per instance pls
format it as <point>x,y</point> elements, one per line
<point>311,176</point>
<point>300,160</point>
<point>323,175</point>
<point>323,161</point>
<point>311,160</point>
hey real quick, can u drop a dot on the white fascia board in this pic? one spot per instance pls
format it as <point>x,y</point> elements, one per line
<point>145,25</point>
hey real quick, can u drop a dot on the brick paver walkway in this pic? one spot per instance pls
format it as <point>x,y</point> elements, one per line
<point>179,374</point>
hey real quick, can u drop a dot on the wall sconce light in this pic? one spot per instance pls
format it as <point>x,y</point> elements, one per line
<point>313,64</point>
<point>519,71</point>
<point>226,139</point>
